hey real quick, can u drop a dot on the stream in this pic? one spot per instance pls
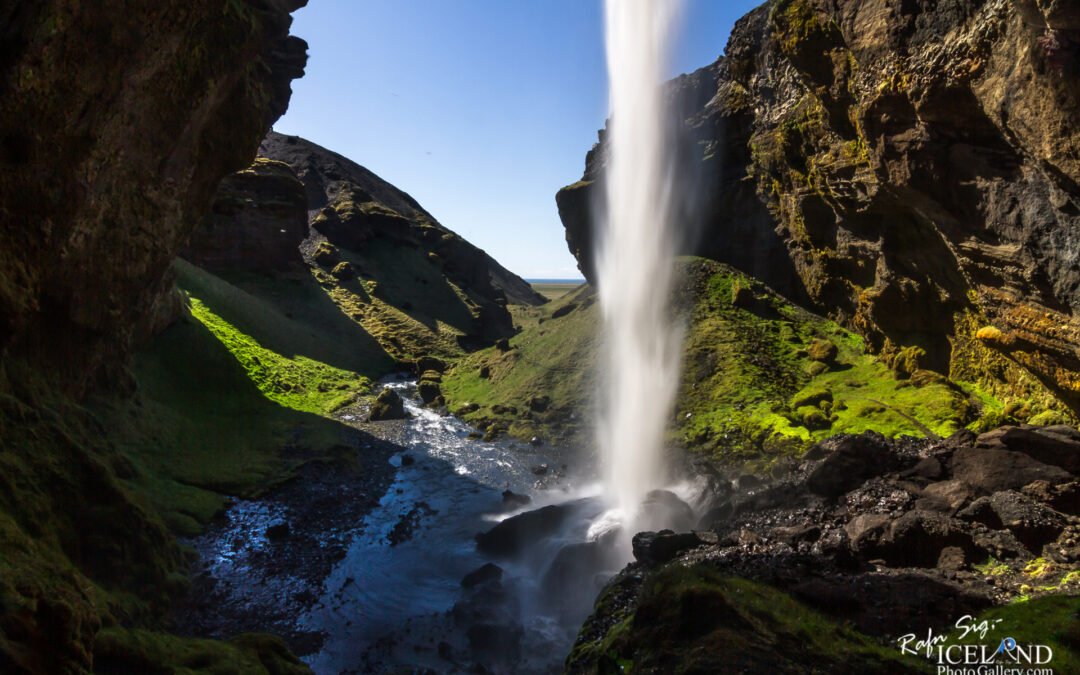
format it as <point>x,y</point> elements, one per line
<point>393,596</point>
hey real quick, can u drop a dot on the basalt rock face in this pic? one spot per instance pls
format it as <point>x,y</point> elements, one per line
<point>117,120</point>
<point>911,169</point>
<point>257,222</point>
<point>352,207</point>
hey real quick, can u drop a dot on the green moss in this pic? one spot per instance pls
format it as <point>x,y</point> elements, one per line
<point>1052,621</point>
<point>119,649</point>
<point>299,383</point>
<point>694,620</point>
<point>549,357</point>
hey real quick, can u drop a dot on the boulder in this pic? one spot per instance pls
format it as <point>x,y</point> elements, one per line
<point>947,496</point>
<point>343,271</point>
<point>917,538</point>
<point>1033,524</point>
<point>388,406</point>
<point>865,530</point>
<point>326,254</point>
<point>513,499</point>
<point>796,534</point>
<point>656,548</point>
<point>426,363</point>
<point>989,470</point>
<point>981,511</point>
<point>1064,497</point>
<point>1056,445</point>
<point>852,460</point>
<point>429,391</point>
<point>663,509</point>
<point>715,516</point>
<point>515,534</point>
<point>486,572</point>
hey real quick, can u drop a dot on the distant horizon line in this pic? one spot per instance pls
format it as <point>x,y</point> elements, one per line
<point>555,281</point>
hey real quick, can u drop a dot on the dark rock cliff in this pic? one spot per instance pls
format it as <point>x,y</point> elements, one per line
<point>117,120</point>
<point>350,206</point>
<point>910,168</point>
<point>257,222</point>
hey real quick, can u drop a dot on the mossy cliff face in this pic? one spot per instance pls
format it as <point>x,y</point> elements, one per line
<point>908,169</point>
<point>117,121</point>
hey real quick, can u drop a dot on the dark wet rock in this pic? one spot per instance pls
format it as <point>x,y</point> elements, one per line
<point>515,534</point>
<point>278,532</point>
<point>540,470</point>
<point>1057,446</point>
<point>851,460</point>
<point>485,372</point>
<point>487,572</point>
<point>1063,497</point>
<point>865,531</point>
<point>1033,524</point>
<point>928,469</point>
<point>917,538</point>
<point>502,344</point>
<point>796,534</point>
<point>952,558</point>
<point>577,574</point>
<point>664,509</point>
<point>981,511</point>
<point>715,516</point>
<point>990,470</point>
<point>945,496</point>
<point>429,391</point>
<point>502,640</point>
<point>536,441</point>
<point>1001,544</point>
<point>387,406</point>
<point>514,500</point>
<point>748,481</point>
<point>407,460</point>
<point>445,651</point>
<point>655,548</point>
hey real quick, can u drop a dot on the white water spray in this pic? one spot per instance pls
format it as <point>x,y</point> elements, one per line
<point>635,254</point>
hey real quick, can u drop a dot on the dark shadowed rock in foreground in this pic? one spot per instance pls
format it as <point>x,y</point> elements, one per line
<point>878,533</point>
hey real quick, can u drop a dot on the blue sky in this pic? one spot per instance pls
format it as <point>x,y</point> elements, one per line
<point>480,109</point>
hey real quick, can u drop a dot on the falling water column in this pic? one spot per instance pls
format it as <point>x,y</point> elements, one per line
<point>635,254</point>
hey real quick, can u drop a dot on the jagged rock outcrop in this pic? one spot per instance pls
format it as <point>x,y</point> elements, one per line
<point>257,222</point>
<point>351,206</point>
<point>910,168</point>
<point>117,121</point>
<point>913,538</point>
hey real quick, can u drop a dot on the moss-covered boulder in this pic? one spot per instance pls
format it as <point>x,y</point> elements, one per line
<point>326,254</point>
<point>387,406</point>
<point>343,271</point>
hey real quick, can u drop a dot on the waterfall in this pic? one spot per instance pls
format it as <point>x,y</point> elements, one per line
<point>635,255</point>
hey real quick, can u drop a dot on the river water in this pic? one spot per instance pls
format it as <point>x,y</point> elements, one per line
<point>393,597</point>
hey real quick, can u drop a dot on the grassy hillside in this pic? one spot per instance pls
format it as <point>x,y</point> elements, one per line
<point>761,377</point>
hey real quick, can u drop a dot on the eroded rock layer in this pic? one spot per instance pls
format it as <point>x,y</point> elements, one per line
<point>910,168</point>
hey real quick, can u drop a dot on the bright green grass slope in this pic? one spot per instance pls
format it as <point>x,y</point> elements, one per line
<point>750,389</point>
<point>551,356</point>
<point>219,412</point>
